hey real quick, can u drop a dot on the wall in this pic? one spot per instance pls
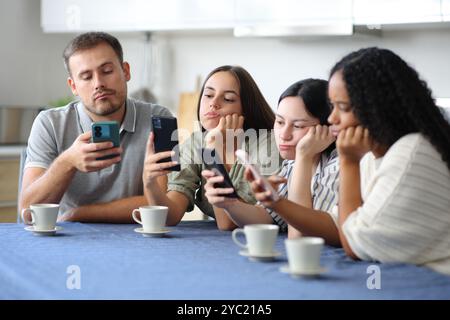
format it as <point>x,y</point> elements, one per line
<point>32,70</point>
<point>277,63</point>
<point>151,65</point>
<point>33,73</point>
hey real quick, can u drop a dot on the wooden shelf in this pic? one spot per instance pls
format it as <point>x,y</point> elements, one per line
<point>9,175</point>
<point>8,214</point>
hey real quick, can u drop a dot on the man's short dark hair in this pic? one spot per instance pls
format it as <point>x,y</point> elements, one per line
<point>90,40</point>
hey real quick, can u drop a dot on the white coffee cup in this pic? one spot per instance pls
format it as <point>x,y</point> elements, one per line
<point>43,216</point>
<point>153,218</point>
<point>304,253</point>
<point>260,238</point>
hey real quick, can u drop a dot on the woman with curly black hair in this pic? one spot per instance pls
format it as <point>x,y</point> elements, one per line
<point>394,152</point>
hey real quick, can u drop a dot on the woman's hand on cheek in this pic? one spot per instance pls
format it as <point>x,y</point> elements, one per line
<point>233,134</point>
<point>353,143</point>
<point>216,135</point>
<point>234,121</point>
<point>317,139</point>
<point>224,138</point>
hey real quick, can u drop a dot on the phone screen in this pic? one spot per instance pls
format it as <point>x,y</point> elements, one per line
<point>106,131</point>
<point>165,130</point>
<point>243,156</point>
<point>213,162</point>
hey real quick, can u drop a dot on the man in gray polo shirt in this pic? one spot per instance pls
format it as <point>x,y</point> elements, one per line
<point>61,164</point>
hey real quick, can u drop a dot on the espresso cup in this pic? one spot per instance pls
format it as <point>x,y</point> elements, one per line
<point>304,253</point>
<point>43,216</point>
<point>153,218</point>
<point>260,238</point>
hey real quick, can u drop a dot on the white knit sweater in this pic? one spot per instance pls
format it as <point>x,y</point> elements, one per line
<point>406,212</point>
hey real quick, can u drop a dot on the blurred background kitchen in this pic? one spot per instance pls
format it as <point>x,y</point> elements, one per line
<point>173,44</point>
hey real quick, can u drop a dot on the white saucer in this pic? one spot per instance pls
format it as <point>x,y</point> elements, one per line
<point>268,256</point>
<point>43,232</point>
<point>158,233</point>
<point>303,273</point>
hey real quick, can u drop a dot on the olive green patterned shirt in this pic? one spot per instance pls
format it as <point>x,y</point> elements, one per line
<point>190,182</point>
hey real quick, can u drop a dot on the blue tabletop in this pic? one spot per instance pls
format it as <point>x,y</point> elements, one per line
<point>193,261</point>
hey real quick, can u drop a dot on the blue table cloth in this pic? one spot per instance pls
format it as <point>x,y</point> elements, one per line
<point>193,261</point>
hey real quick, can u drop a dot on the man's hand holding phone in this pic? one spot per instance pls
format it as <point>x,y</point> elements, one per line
<point>83,155</point>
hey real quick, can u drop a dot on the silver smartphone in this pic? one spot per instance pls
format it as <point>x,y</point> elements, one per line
<point>243,156</point>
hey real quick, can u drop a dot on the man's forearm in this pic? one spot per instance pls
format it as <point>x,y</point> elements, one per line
<point>118,211</point>
<point>51,186</point>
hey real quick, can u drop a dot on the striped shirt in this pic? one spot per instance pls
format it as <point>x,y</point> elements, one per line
<point>405,216</point>
<point>324,185</point>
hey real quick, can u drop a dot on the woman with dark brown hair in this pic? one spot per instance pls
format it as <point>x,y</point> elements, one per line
<point>230,101</point>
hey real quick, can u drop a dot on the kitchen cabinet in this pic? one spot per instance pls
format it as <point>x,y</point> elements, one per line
<point>292,11</point>
<point>396,11</point>
<point>135,15</point>
<point>154,15</point>
<point>240,15</point>
<point>293,17</point>
<point>445,6</point>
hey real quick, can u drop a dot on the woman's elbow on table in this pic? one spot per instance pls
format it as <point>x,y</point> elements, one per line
<point>350,252</point>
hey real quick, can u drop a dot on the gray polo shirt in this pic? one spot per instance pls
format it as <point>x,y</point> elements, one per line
<point>55,130</point>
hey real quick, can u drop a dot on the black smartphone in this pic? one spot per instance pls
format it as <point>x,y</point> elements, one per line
<point>165,130</point>
<point>213,162</point>
<point>106,131</point>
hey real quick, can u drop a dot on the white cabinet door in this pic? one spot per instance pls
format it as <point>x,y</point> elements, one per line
<point>445,10</point>
<point>396,11</point>
<point>292,11</point>
<point>293,17</point>
<point>82,15</point>
<point>135,15</point>
<point>152,15</point>
<point>183,14</point>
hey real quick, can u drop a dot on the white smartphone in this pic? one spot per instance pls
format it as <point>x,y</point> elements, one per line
<point>243,156</point>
